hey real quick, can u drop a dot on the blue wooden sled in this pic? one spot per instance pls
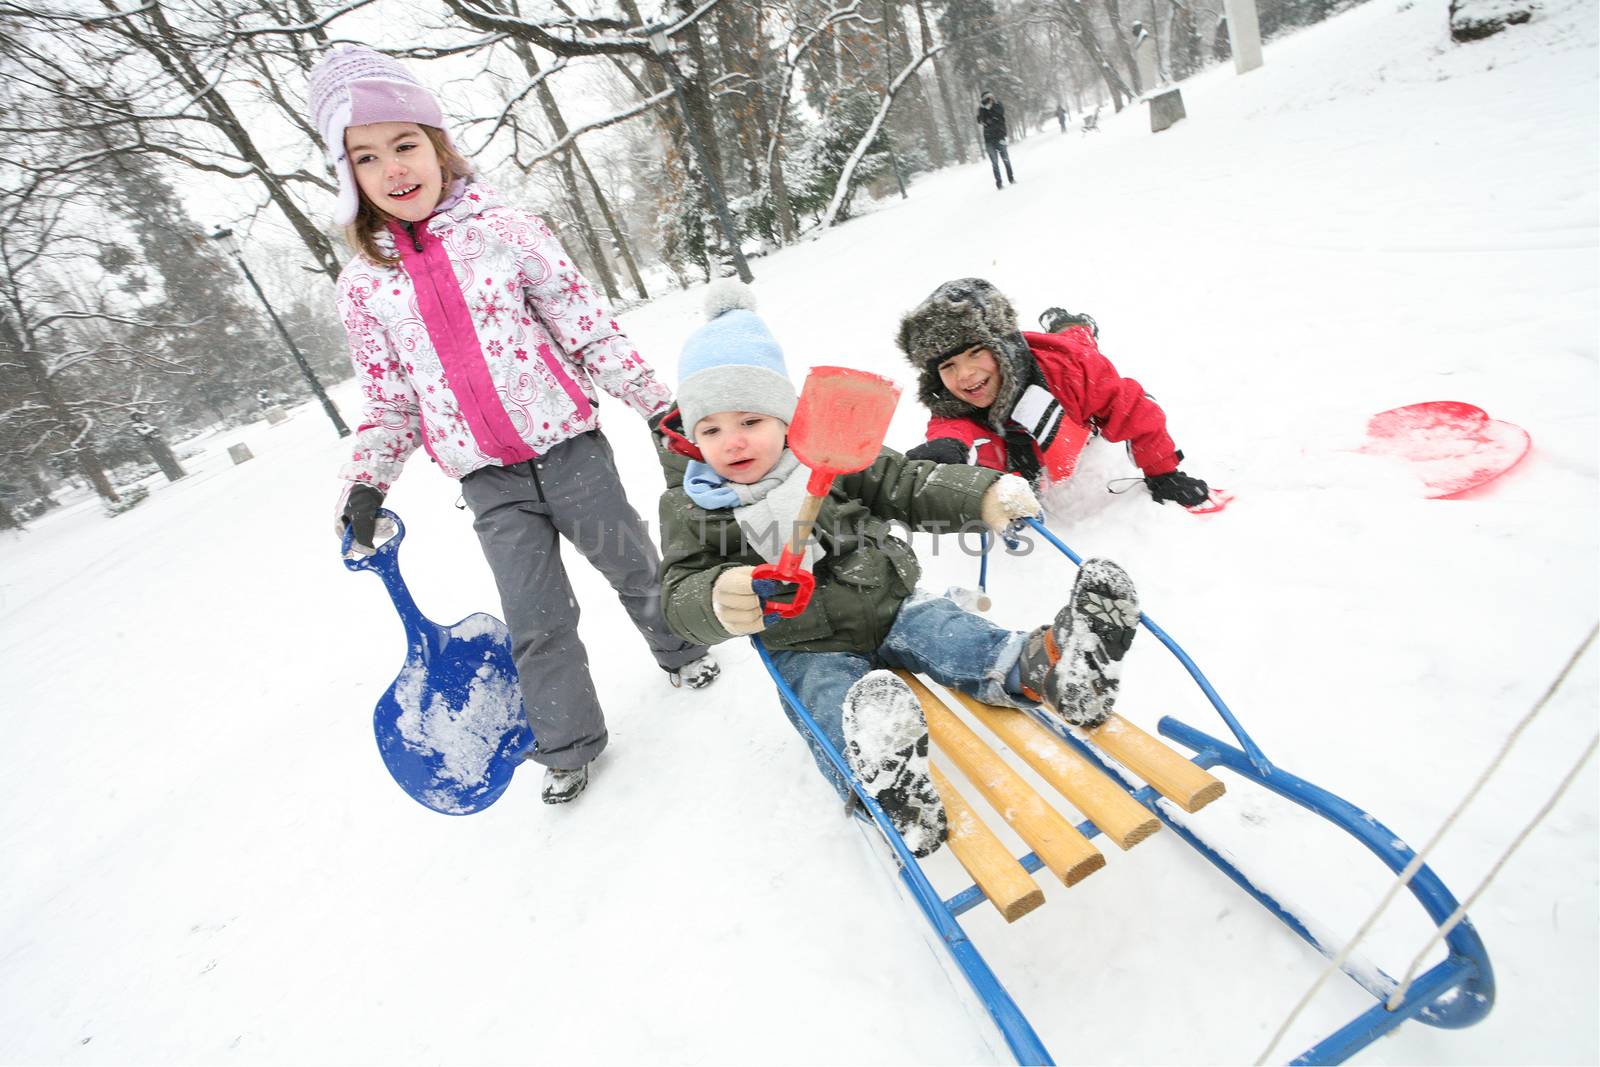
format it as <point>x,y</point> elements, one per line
<point>451,728</point>
<point>1454,993</point>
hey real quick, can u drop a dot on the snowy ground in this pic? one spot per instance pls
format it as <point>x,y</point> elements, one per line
<point>206,862</point>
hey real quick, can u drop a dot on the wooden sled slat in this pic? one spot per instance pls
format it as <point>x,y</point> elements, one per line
<point>1009,887</point>
<point>1068,854</point>
<point>1174,777</point>
<point>1105,803</point>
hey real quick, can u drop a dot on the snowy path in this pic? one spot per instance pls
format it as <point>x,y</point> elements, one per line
<point>206,862</point>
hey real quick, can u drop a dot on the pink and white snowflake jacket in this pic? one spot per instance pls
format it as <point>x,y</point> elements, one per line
<point>483,346</point>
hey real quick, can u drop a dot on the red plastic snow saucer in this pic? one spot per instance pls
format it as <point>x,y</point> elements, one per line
<point>1453,447</point>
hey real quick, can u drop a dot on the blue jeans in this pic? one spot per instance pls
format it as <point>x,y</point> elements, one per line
<point>930,636</point>
<point>997,152</point>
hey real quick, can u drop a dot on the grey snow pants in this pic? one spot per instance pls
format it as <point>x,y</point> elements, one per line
<point>574,492</point>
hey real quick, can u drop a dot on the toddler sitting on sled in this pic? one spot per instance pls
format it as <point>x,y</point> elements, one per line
<point>1024,402</point>
<point>734,491</point>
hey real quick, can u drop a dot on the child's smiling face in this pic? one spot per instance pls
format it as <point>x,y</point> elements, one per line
<point>396,167</point>
<point>973,375</point>
<point>741,446</point>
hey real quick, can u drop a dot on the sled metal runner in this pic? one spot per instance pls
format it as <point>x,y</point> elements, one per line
<point>1456,992</point>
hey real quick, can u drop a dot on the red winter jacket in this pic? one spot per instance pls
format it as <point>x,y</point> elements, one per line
<point>1091,393</point>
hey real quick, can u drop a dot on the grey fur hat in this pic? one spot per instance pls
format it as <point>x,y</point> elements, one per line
<point>955,317</point>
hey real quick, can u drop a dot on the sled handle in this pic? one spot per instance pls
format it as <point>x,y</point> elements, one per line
<point>389,547</point>
<point>385,562</point>
<point>1257,758</point>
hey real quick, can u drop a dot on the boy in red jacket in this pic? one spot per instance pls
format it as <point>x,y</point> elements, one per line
<point>1026,402</point>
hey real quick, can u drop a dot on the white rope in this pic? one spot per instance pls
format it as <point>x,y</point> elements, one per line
<point>1417,861</point>
<point>1461,912</point>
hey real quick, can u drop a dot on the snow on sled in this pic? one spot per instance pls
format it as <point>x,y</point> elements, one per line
<point>1452,447</point>
<point>1127,807</point>
<point>451,728</point>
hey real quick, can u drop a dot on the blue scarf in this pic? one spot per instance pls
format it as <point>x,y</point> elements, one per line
<point>707,488</point>
<point>765,510</point>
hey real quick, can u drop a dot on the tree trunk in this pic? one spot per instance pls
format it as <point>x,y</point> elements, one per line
<point>163,457</point>
<point>40,489</point>
<point>591,240</point>
<point>1119,39</point>
<point>618,234</point>
<point>8,521</point>
<point>70,429</point>
<point>1185,49</point>
<point>732,51</point>
<point>1155,30</point>
<point>958,135</point>
<point>551,221</point>
<point>308,15</point>
<point>699,103</point>
<point>919,91</point>
<point>842,190</point>
<point>657,81</point>
<point>558,125</point>
<point>175,60</point>
<point>1078,24</point>
<point>565,240</point>
<point>765,121</point>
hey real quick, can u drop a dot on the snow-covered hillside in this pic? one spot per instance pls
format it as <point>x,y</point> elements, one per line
<point>204,860</point>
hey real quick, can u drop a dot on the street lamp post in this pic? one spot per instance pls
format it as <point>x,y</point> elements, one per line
<point>231,245</point>
<point>662,47</point>
<point>1244,34</point>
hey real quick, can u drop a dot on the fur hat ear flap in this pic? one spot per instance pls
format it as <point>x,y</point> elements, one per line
<point>903,337</point>
<point>356,86</point>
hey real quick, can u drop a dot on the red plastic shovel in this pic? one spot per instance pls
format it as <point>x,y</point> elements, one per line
<point>838,428</point>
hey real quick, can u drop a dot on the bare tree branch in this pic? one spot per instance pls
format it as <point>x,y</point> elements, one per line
<point>292,29</point>
<point>622,116</point>
<point>842,191</point>
<point>545,32</point>
<point>18,11</point>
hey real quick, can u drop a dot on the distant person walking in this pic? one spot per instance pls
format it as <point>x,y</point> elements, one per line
<point>992,119</point>
<point>1061,117</point>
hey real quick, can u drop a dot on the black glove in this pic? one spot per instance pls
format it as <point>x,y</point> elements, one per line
<point>1177,487</point>
<point>361,514</point>
<point>940,450</point>
<point>1054,320</point>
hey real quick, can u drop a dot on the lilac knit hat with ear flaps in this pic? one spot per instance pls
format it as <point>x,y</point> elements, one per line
<point>354,86</point>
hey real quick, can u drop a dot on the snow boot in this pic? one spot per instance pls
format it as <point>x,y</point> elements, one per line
<point>1074,665</point>
<point>563,784</point>
<point>1054,320</point>
<point>886,745</point>
<point>696,675</point>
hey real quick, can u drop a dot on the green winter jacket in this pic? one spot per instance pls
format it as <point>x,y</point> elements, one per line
<point>865,574</point>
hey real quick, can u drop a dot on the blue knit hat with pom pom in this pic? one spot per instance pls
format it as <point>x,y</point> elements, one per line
<point>732,363</point>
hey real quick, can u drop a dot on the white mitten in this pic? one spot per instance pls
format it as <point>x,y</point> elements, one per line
<point>734,600</point>
<point>1006,501</point>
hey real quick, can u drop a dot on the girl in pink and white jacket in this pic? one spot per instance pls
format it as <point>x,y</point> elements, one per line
<point>476,339</point>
